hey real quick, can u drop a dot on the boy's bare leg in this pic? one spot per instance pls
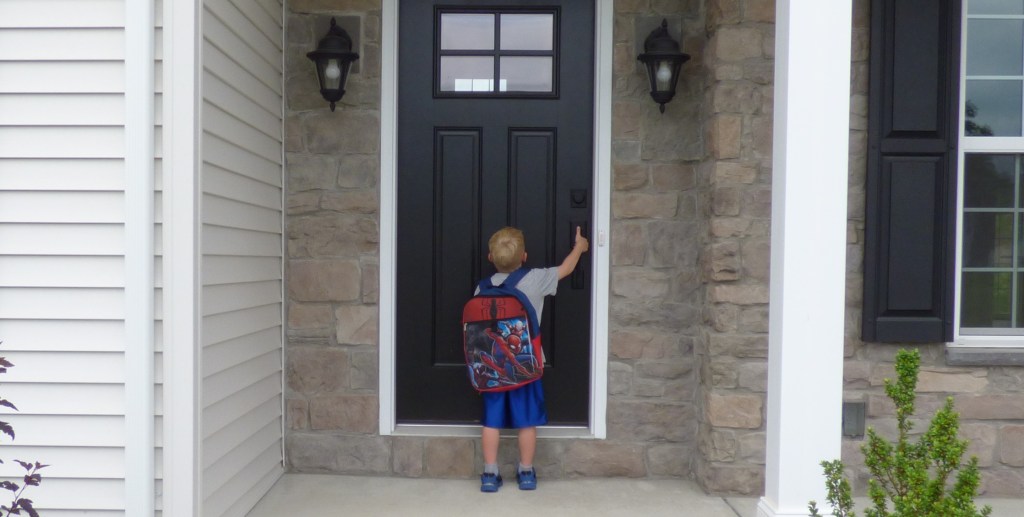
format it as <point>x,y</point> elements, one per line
<point>489,443</point>
<point>527,445</point>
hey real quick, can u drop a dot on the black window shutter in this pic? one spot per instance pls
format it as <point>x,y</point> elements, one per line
<point>910,219</point>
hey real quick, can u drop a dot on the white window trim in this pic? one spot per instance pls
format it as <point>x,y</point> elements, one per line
<point>969,144</point>
<point>600,251</point>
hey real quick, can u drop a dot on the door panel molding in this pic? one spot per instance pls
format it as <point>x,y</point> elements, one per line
<point>600,251</point>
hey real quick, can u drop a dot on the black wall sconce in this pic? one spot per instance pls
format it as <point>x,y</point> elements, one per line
<point>333,58</point>
<point>663,59</point>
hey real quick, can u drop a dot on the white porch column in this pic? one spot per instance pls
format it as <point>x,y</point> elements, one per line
<point>808,250</point>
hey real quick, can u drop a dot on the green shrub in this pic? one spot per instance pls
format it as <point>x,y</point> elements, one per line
<point>911,479</point>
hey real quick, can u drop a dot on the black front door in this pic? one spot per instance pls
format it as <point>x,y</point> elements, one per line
<point>495,128</point>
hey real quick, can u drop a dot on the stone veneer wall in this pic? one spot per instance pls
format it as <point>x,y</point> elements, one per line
<point>990,400</point>
<point>733,349</point>
<point>656,296</point>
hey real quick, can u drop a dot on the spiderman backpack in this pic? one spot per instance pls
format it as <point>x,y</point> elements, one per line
<point>501,337</point>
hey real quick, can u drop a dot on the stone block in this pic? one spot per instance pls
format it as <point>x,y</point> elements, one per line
<point>632,6</point>
<point>303,202</point>
<point>371,282</point>
<point>676,135</point>
<point>721,227</point>
<point>640,284</point>
<point>752,448</point>
<point>673,244</point>
<point>757,203</point>
<point>350,413</point>
<point>734,411</point>
<point>670,460</point>
<point>350,201</point>
<point>737,43</point>
<point>356,324</point>
<point>331,235</point>
<point>293,134</point>
<point>663,369</point>
<point>323,280</point>
<point>753,320</point>
<point>338,454</point>
<point>407,456</point>
<point>982,442</point>
<point>620,378</point>
<point>311,171</point>
<point>625,151</point>
<point>740,294</point>
<point>330,6</point>
<point>1011,445</point>
<point>309,316</point>
<point>761,74</point>
<point>754,376</point>
<point>626,116</point>
<point>351,131</point>
<point>735,97</point>
<point>759,11</point>
<point>740,346</point>
<point>723,12</point>
<point>724,136</point>
<point>1002,482</point>
<point>648,206</point>
<point>629,176</point>
<point>673,176</point>
<point>298,413</point>
<point>856,373</point>
<point>723,261</point>
<point>647,389</point>
<point>732,173</point>
<point>624,61</point>
<point>723,317</point>
<point>302,91</point>
<point>450,458</point>
<point>756,255</point>
<point>364,373</point>
<point>725,201</point>
<point>629,244</point>
<point>951,382</point>
<point>358,171</point>
<point>314,370</point>
<point>719,445</point>
<point>644,344</point>
<point>650,421</point>
<point>723,373</point>
<point>731,479</point>
<point>592,458</point>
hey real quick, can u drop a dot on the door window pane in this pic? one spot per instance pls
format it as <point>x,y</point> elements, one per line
<point>467,74</point>
<point>993,108</point>
<point>985,302</point>
<point>988,180</point>
<point>995,7</point>
<point>988,239</point>
<point>994,47</point>
<point>526,74</point>
<point>527,31</point>
<point>467,31</point>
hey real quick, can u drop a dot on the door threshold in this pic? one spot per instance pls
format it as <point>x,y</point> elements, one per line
<point>448,430</point>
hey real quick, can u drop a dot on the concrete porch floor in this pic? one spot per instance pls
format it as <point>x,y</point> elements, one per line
<point>301,495</point>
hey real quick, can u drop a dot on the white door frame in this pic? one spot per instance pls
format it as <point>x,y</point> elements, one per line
<point>600,250</point>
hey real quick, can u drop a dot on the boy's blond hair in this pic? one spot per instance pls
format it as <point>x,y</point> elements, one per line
<point>507,246</point>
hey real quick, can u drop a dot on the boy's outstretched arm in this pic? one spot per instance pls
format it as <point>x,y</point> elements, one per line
<point>569,264</point>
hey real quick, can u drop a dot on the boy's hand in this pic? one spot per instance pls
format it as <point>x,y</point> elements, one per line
<point>581,242</point>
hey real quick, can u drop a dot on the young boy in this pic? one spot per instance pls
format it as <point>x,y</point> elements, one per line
<point>522,408</point>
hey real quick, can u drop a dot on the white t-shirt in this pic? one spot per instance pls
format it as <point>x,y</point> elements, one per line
<point>537,284</point>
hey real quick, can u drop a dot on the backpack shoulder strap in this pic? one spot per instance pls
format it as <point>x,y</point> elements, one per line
<point>508,287</point>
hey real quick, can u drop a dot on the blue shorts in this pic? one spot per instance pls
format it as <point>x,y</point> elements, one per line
<point>515,409</point>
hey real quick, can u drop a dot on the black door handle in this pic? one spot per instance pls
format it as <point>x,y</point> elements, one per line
<point>578,275</point>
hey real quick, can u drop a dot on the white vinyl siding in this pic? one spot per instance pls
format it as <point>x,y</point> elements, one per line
<point>62,274</point>
<point>241,249</point>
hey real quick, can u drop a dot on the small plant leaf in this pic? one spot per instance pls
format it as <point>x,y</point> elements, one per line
<point>5,363</point>
<point>7,429</point>
<point>26,465</point>
<point>7,403</point>
<point>7,485</point>
<point>33,479</point>
<point>27,505</point>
